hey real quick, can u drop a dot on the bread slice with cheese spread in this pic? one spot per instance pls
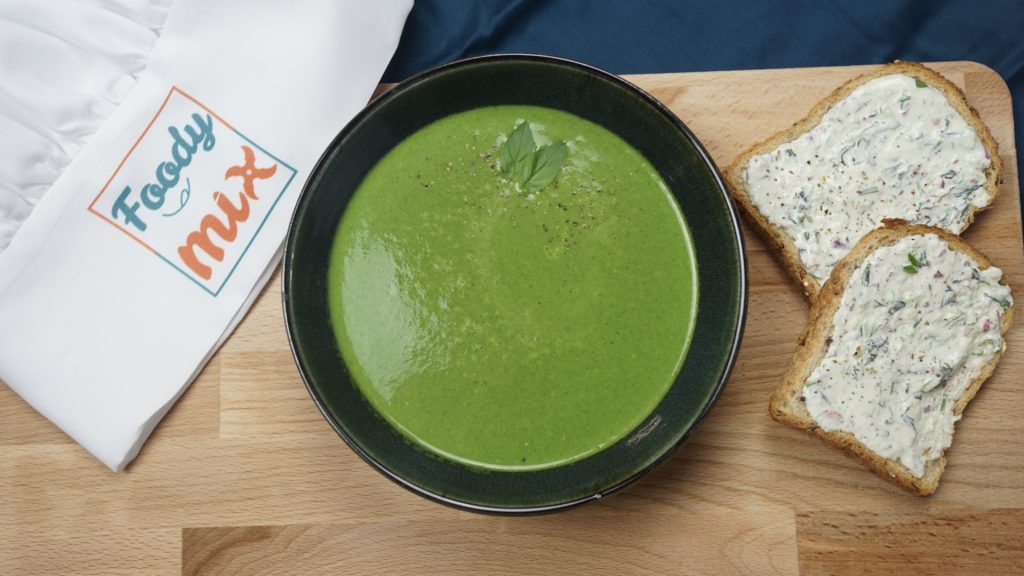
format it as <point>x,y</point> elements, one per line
<point>903,334</point>
<point>900,142</point>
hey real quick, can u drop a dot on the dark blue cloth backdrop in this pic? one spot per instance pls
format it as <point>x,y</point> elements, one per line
<point>637,36</point>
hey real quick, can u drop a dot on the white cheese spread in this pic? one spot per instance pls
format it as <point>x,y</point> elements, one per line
<point>916,325</point>
<point>893,148</point>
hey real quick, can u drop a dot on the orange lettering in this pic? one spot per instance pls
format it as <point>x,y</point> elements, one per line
<point>227,231</point>
<point>201,238</point>
<point>250,172</point>
<point>239,214</point>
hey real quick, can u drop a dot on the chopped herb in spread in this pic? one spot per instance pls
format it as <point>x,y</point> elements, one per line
<point>893,148</point>
<point>914,265</point>
<point>906,343</point>
<point>1003,302</point>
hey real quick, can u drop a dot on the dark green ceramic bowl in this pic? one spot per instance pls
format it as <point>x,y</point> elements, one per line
<point>592,94</point>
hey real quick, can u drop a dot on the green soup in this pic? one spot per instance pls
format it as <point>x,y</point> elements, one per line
<point>509,329</point>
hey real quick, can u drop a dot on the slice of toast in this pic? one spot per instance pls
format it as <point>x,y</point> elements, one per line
<point>811,199</point>
<point>852,288</point>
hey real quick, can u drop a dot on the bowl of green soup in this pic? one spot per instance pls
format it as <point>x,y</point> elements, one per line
<point>514,284</point>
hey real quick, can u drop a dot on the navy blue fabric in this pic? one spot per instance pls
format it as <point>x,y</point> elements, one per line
<point>638,36</point>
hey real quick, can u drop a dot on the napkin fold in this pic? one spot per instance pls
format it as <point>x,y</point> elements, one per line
<point>177,137</point>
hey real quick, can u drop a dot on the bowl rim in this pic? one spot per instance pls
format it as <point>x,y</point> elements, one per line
<point>731,210</point>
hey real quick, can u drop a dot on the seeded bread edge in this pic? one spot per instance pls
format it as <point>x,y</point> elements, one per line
<point>787,404</point>
<point>779,243</point>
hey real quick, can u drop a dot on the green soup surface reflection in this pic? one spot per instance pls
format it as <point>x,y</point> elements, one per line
<point>509,329</point>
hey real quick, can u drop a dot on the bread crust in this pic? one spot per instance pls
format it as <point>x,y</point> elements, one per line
<point>777,240</point>
<point>787,405</point>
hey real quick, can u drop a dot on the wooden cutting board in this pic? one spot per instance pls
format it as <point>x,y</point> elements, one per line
<point>245,477</point>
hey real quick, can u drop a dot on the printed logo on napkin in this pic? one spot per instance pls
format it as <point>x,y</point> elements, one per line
<point>194,191</point>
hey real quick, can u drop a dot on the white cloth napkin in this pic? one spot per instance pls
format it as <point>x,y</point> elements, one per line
<point>151,152</point>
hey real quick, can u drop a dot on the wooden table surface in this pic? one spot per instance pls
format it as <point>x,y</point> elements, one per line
<point>245,477</point>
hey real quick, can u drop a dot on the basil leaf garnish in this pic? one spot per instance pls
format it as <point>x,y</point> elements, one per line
<point>522,161</point>
<point>518,150</point>
<point>547,162</point>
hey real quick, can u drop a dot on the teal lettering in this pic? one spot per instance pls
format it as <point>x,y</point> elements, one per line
<point>121,206</point>
<point>153,196</point>
<point>205,133</point>
<point>168,173</point>
<point>182,151</point>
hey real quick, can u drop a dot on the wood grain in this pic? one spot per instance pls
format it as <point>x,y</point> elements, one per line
<point>245,477</point>
<point>636,544</point>
<point>869,543</point>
